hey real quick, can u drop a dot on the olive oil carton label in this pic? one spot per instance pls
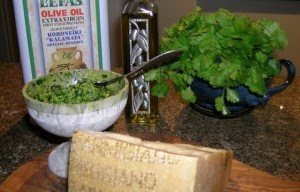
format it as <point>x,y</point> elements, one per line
<point>57,35</point>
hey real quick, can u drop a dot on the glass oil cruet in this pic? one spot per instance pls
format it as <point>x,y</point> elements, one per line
<point>140,44</point>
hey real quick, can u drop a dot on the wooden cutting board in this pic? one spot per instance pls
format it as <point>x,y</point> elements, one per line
<point>35,176</point>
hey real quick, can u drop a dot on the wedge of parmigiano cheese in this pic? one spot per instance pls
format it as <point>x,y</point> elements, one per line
<point>109,162</point>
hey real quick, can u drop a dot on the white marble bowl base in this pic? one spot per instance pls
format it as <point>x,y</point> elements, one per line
<point>58,160</point>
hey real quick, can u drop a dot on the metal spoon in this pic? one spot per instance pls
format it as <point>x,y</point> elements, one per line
<point>154,61</point>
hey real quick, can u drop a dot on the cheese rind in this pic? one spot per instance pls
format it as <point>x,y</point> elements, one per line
<point>111,162</point>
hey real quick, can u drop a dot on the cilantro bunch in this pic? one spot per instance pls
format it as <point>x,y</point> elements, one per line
<point>224,49</point>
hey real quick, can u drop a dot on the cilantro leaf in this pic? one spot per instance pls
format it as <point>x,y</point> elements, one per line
<point>188,95</point>
<point>256,82</point>
<point>280,39</point>
<point>160,90</point>
<point>269,26</point>
<point>232,95</point>
<point>261,57</point>
<point>176,78</point>
<point>220,105</point>
<point>224,18</point>
<point>277,35</point>
<point>210,18</point>
<point>219,78</point>
<point>241,24</point>
<point>151,75</point>
<point>273,67</point>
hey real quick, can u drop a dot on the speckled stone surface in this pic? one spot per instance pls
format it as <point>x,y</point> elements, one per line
<point>12,107</point>
<point>268,138</point>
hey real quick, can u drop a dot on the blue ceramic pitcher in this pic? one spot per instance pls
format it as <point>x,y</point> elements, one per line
<point>206,95</point>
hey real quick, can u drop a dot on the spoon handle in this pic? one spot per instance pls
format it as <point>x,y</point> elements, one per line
<point>108,82</point>
<point>154,61</point>
<point>144,67</point>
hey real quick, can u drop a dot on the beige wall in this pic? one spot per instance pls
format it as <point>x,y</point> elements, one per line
<point>169,11</point>
<point>114,14</point>
<point>172,10</point>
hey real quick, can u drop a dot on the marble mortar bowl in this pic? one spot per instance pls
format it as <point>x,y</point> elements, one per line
<point>64,119</point>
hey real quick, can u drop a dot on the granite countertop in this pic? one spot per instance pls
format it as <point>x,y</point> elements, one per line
<point>268,138</point>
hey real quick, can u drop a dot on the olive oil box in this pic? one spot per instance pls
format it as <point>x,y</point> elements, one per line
<point>57,35</point>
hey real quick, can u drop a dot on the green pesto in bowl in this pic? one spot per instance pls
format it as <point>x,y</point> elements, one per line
<point>60,88</point>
